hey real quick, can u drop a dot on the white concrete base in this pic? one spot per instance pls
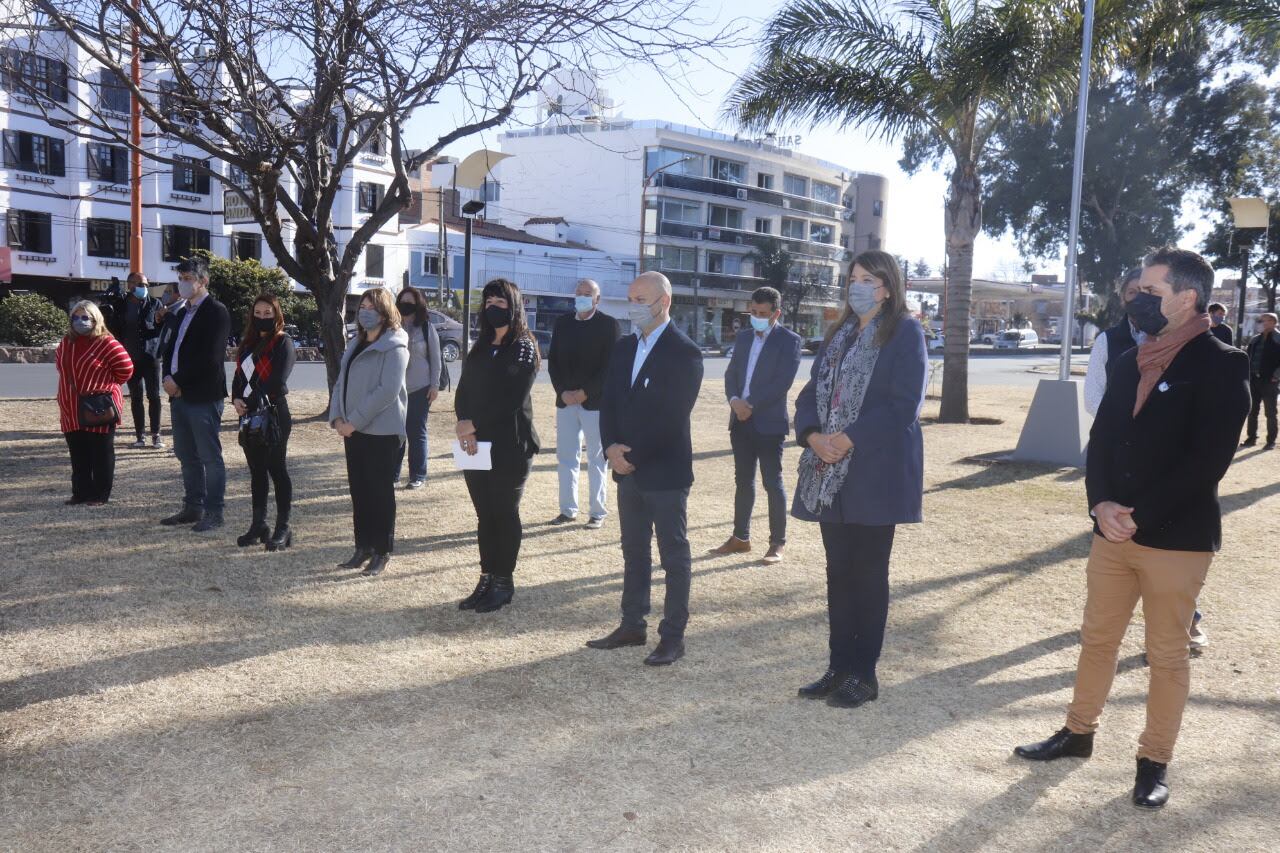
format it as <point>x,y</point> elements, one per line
<point>1057,427</point>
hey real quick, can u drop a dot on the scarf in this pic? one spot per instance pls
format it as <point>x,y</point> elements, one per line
<point>843,377</point>
<point>1155,354</point>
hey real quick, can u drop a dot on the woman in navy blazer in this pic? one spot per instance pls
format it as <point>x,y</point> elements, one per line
<point>862,471</point>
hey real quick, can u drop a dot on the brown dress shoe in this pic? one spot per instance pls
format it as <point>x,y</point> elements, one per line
<point>733,545</point>
<point>773,555</point>
<point>667,652</point>
<point>619,638</point>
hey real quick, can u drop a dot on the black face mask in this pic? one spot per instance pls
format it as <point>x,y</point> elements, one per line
<point>264,325</point>
<point>497,316</point>
<point>1144,311</point>
<point>408,309</point>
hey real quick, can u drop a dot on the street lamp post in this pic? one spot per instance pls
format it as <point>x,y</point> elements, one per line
<point>470,211</point>
<point>1247,214</point>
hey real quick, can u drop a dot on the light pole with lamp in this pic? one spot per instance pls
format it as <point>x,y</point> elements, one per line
<point>1247,214</point>
<point>471,174</point>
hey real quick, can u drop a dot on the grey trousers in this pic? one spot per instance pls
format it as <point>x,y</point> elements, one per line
<point>641,513</point>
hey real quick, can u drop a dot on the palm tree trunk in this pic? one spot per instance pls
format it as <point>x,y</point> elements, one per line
<point>963,221</point>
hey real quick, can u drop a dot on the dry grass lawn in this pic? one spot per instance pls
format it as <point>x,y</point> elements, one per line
<point>165,691</point>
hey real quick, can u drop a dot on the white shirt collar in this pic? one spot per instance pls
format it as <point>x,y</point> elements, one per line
<point>652,337</point>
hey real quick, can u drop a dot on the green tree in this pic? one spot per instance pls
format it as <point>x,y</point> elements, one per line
<point>30,320</point>
<point>922,269</point>
<point>237,283</point>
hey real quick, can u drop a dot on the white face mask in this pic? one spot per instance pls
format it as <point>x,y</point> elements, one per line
<point>639,314</point>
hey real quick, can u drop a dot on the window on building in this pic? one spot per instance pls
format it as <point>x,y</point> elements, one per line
<point>492,191</point>
<point>676,258</point>
<point>724,263</point>
<point>795,185</point>
<point>113,95</point>
<point>672,161</point>
<point>32,74</point>
<point>724,217</point>
<point>238,177</point>
<point>369,197</point>
<point>174,106</point>
<point>822,233</point>
<point>685,212</point>
<point>728,170</point>
<point>377,143</point>
<point>30,231</point>
<point>764,181</point>
<point>245,245</point>
<point>373,256</point>
<point>877,208</point>
<point>31,152</point>
<point>108,238</point>
<point>764,225</point>
<point>108,163</point>
<point>191,176</point>
<point>794,229</point>
<point>178,242</point>
<point>826,192</point>
<point>431,264</point>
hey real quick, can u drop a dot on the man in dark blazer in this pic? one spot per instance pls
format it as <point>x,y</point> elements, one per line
<point>1163,438</point>
<point>195,378</point>
<point>766,356</point>
<point>649,393</point>
<point>1264,379</point>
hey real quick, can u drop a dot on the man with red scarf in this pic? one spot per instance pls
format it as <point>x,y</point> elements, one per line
<point>1163,438</point>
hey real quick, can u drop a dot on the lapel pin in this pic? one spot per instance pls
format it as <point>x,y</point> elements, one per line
<point>1163,386</point>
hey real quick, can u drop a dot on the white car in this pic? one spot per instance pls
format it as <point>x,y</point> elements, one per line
<point>1017,339</point>
<point>936,341</point>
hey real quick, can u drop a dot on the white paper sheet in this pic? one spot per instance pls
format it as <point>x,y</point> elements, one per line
<point>482,461</point>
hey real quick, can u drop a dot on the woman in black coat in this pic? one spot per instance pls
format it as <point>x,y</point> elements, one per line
<point>492,404</point>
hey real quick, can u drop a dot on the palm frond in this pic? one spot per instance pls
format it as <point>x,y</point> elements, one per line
<point>856,32</point>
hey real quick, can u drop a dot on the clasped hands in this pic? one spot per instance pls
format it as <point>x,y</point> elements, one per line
<point>616,454</point>
<point>344,427</point>
<point>1115,521</point>
<point>830,448</point>
<point>466,432</point>
<point>574,398</point>
<point>741,409</point>
<point>170,387</point>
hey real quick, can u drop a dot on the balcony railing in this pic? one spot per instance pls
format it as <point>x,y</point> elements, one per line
<point>741,192</point>
<point>749,239</point>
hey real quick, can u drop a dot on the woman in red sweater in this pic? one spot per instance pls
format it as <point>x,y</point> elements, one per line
<point>90,361</point>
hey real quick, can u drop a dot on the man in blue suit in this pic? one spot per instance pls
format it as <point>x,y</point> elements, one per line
<point>766,356</point>
<point>649,393</point>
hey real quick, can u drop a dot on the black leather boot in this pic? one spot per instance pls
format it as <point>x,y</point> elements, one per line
<point>377,565</point>
<point>281,537</point>
<point>482,588</point>
<point>824,686</point>
<point>258,530</point>
<point>1150,791</point>
<point>358,559</point>
<point>498,596</point>
<point>1064,744</point>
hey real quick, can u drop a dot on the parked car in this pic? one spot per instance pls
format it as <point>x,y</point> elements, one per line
<point>450,332</point>
<point>544,342</point>
<point>1017,339</point>
<point>935,341</point>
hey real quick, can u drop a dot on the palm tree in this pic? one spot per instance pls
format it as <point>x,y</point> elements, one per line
<point>942,77</point>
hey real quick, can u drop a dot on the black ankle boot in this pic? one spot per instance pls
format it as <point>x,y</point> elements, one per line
<point>1064,744</point>
<point>258,530</point>
<point>852,692</point>
<point>281,537</point>
<point>498,596</point>
<point>358,559</point>
<point>1150,791</point>
<point>481,590</point>
<point>824,686</point>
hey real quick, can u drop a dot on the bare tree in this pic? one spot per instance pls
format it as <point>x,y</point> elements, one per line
<point>290,93</point>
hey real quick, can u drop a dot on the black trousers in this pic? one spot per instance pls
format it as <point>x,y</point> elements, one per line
<point>1264,397</point>
<point>496,496</point>
<point>750,448</point>
<point>267,467</point>
<point>857,594</point>
<point>146,374</point>
<point>371,471</point>
<point>93,464</point>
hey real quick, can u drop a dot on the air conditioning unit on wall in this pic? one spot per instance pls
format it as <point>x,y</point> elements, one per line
<point>742,195</point>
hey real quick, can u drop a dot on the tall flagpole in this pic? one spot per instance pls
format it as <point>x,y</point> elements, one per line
<point>135,158</point>
<point>1077,182</point>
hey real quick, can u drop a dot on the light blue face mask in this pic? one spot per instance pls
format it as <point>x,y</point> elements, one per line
<point>140,292</point>
<point>760,324</point>
<point>862,297</point>
<point>82,324</point>
<point>368,319</point>
<point>583,304</point>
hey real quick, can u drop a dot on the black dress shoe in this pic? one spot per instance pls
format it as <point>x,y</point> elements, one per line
<point>1249,442</point>
<point>482,586</point>
<point>667,652</point>
<point>358,559</point>
<point>210,521</point>
<point>562,519</point>
<point>257,532</point>
<point>619,638</point>
<point>376,565</point>
<point>75,501</point>
<point>852,692</point>
<point>281,538</point>
<point>1064,744</point>
<point>1149,788</point>
<point>186,515</point>
<point>498,595</point>
<point>1270,445</point>
<point>824,686</point>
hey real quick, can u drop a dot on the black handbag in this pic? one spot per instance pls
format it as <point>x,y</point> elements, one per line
<point>260,429</point>
<point>98,410</point>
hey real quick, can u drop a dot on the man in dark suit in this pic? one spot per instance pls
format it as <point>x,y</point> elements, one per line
<point>1163,438</point>
<point>649,393</point>
<point>1264,379</point>
<point>195,379</point>
<point>1219,327</point>
<point>766,356</point>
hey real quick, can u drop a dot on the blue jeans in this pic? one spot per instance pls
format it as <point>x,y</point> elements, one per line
<point>199,448</point>
<point>415,424</point>
<point>641,514</point>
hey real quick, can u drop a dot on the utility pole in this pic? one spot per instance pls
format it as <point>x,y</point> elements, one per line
<point>442,256</point>
<point>135,156</point>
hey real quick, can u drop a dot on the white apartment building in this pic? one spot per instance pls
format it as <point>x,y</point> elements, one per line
<point>66,197</point>
<point>694,204</point>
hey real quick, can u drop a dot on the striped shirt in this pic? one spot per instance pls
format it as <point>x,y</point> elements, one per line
<point>89,366</point>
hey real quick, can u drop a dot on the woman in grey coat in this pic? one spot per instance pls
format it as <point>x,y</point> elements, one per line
<point>368,409</point>
<point>422,380</point>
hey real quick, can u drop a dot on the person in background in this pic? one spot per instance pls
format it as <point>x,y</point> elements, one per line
<point>579,359</point>
<point>264,362</point>
<point>649,393</point>
<point>422,380</point>
<point>493,404</point>
<point>89,360</point>
<point>1218,324</point>
<point>1163,439</point>
<point>1264,379</point>
<point>1111,344</point>
<point>195,378</point>
<point>139,331</point>
<point>862,469</point>
<point>367,408</point>
<point>765,359</point>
